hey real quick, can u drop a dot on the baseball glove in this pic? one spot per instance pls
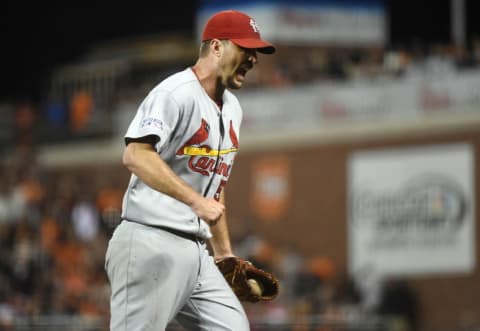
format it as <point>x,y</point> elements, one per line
<point>239,274</point>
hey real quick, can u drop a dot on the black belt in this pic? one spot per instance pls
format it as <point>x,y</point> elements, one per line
<point>185,235</point>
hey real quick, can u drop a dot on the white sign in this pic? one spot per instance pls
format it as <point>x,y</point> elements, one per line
<point>412,210</point>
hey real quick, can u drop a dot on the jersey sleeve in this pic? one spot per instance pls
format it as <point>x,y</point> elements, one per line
<point>156,116</point>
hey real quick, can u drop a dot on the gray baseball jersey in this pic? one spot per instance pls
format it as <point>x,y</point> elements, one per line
<point>197,140</point>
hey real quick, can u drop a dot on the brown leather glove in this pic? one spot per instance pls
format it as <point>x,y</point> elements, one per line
<point>238,272</point>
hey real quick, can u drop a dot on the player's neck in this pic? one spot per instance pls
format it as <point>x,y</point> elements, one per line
<point>209,83</point>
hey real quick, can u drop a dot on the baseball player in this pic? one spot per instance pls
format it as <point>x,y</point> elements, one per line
<point>180,148</point>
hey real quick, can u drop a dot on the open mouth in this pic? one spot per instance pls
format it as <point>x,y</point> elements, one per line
<point>242,71</point>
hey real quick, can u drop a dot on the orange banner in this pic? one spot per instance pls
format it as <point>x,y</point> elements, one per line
<point>270,189</point>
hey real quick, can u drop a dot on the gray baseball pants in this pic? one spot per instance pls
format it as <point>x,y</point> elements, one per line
<point>157,276</point>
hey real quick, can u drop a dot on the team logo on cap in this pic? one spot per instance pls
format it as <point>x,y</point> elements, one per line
<point>254,25</point>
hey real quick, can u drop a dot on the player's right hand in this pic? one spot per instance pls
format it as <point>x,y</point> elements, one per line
<point>208,209</point>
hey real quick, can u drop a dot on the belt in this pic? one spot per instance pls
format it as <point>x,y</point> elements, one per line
<point>185,235</point>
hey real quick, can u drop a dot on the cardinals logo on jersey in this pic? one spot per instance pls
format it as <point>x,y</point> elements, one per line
<point>203,158</point>
<point>199,137</point>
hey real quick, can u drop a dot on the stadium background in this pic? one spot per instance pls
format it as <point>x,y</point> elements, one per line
<point>318,117</point>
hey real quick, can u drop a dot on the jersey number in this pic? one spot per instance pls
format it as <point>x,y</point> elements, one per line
<point>216,196</point>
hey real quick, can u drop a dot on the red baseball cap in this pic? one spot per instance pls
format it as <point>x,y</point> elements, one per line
<point>237,27</point>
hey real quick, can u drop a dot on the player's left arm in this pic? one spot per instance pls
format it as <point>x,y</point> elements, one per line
<point>220,242</point>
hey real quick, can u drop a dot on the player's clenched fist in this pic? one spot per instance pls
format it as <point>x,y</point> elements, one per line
<point>208,209</point>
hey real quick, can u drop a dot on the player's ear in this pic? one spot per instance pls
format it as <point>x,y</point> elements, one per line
<point>216,47</point>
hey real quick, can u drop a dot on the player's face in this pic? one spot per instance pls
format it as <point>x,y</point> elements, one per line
<point>237,62</point>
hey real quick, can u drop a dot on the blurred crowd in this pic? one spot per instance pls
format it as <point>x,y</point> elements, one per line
<point>54,230</point>
<point>80,106</point>
<point>349,64</point>
<point>53,236</point>
<point>300,65</point>
<point>318,296</point>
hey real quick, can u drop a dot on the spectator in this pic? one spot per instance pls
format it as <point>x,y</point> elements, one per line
<point>85,220</point>
<point>400,300</point>
<point>81,108</point>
